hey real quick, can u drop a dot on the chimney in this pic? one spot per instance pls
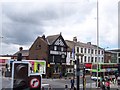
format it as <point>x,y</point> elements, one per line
<point>75,39</point>
<point>89,43</point>
<point>43,37</point>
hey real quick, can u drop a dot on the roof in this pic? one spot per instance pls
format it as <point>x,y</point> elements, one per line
<point>52,38</point>
<point>115,50</point>
<point>24,53</point>
<point>72,43</point>
<point>87,45</point>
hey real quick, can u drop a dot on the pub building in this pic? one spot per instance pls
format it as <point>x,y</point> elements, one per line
<point>52,49</point>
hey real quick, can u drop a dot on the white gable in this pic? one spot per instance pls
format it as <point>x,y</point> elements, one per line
<point>59,42</point>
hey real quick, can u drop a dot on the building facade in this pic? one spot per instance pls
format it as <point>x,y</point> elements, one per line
<point>115,57</point>
<point>52,49</point>
<point>88,53</point>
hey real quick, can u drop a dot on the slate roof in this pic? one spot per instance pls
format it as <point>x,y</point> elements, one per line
<point>52,38</point>
<point>70,45</point>
<point>84,45</point>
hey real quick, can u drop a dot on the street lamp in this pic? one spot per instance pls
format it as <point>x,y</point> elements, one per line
<point>78,69</point>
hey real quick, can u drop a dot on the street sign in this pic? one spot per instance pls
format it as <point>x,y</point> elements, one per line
<point>35,82</point>
<point>81,66</point>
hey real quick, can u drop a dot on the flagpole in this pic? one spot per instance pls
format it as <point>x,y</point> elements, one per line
<point>97,40</point>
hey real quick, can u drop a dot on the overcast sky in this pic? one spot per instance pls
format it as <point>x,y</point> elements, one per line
<point>22,22</point>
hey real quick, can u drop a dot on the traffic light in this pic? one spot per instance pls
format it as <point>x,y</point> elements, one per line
<point>20,75</point>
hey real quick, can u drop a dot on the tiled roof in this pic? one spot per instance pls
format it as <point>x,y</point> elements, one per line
<point>52,38</point>
<point>24,53</point>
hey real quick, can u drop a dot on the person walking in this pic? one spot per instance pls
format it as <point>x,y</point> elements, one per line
<point>72,83</point>
<point>103,84</point>
<point>60,75</point>
<point>107,84</point>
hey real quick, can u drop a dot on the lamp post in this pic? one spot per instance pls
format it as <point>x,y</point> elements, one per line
<point>1,45</point>
<point>97,40</point>
<point>78,69</point>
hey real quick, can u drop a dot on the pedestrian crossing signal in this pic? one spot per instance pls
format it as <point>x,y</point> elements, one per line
<point>20,75</point>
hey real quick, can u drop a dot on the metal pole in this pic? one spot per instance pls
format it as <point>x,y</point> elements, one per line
<point>78,72</point>
<point>84,77</point>
<point>97,40</point>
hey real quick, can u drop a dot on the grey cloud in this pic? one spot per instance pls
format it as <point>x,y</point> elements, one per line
<point>27,22</point>
<point>20,33</point>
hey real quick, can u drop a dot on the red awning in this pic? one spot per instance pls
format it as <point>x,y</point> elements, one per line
<point>88,65</point>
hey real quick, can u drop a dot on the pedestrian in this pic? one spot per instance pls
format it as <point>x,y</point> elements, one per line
<point>107,84</point>
<point>72,83</point>
<point>60,76</point>
<point>103,84</point>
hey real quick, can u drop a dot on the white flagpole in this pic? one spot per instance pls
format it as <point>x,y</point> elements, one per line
<point>97,40</point>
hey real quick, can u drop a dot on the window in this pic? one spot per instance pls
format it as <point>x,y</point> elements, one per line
<point>88,50</point>
<point>85,50</point>
<point>99,52</point>
<point>38,46</point>
<point>81,59</point>
<point>88,59</point>
<point>92,51</point>
<point>102,52</point>
<point>119,54</point>
<point>85,59</point>
<point>55,47</point>
<point>95,51</point>
<point>62,49</point>
<point>119,60</point>
<point>95,59</point>
<point>92,59</point>
<point>81,50</point>
<point>102,59</point>
<point>77,49</point>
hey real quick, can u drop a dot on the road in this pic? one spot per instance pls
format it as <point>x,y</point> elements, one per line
<point>60,83</point>
<point>54,83</point>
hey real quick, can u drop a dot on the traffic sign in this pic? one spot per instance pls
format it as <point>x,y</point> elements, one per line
<point>35,82</point>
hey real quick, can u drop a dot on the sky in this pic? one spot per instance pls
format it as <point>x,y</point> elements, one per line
<point>22,21</point>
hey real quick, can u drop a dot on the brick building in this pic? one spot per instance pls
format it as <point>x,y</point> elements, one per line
<point>52,49</point>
